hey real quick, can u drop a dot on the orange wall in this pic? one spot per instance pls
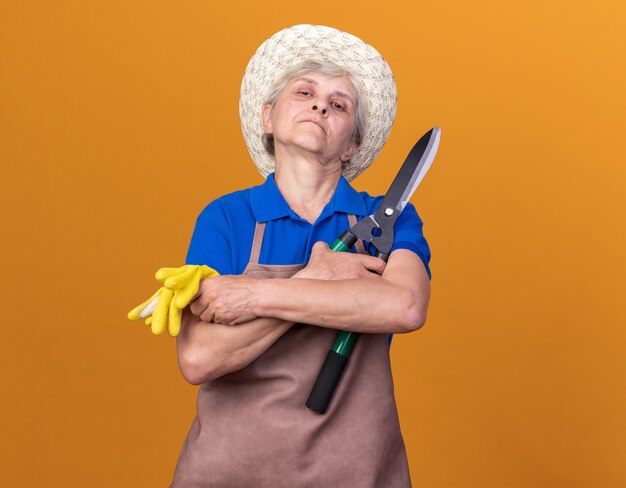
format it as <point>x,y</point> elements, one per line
<point>119,121</point>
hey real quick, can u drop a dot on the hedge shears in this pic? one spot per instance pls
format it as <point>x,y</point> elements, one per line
<point>376,229</point>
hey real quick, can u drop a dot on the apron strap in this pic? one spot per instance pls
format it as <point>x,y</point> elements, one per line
<point>259,232</point>
<point>360,248</point>
<point>255,252</point>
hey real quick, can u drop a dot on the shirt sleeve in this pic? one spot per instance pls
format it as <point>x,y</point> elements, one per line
<point>409,235</point>
<point>211,240</point>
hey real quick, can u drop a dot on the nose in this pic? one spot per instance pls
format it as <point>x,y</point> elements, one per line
<point>318,107</point>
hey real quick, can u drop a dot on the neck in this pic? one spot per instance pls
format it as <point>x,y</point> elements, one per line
<point>306,189</point>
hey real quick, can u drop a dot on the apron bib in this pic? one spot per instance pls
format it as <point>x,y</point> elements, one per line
<point>253,430</point>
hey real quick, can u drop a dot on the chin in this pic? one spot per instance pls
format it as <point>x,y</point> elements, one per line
<point>309,143</point>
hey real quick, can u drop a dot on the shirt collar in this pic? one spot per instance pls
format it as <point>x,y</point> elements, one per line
<point>347,199</point>
<point>269,204</point>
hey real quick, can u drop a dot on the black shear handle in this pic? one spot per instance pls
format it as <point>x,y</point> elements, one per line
<point>333,367</point>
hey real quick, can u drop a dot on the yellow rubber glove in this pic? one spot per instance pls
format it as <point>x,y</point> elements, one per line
<point>163,309</point>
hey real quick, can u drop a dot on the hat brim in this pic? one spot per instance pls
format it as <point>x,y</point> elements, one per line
<point>305,42</point>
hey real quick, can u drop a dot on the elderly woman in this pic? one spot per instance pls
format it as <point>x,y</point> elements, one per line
<point>317,105</point>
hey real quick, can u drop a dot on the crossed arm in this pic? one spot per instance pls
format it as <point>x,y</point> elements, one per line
<point>337,290</point>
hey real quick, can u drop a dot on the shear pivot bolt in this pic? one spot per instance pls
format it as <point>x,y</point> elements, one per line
<point>388,212</point>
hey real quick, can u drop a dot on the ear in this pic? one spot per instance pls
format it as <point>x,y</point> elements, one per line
<point>267,118</point>
<point>352,148</point>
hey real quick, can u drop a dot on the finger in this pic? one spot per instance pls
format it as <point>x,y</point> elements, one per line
<point>164,273</point>
<point>207,315</point>
<point>149,320</point>
<point>182,279</point>
<point>184,295</point>
<point>159,317</point>
<point>319,247</point>
<point>197,307</point>
<point>143,310</point>
<point>373,263</point>
<point>173,319</point>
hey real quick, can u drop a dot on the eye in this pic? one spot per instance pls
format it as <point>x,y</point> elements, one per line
<point>304,93</point>
<point>338,106</point>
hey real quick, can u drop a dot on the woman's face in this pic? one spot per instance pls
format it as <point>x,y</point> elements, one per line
<point>314,113</point>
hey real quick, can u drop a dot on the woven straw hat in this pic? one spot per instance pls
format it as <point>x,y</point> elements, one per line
<point>304,42</point>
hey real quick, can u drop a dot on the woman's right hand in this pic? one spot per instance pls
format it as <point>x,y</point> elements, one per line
<point>325,264</point>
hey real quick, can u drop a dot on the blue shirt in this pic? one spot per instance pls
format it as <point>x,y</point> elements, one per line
<point>224,230</point>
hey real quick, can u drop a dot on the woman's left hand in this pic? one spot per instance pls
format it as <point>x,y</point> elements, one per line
<point>225,300</point>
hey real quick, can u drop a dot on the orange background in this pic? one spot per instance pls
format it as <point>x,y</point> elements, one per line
<point>119,122</point>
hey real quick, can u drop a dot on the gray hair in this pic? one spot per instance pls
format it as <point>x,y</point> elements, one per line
<point>325,68</point>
